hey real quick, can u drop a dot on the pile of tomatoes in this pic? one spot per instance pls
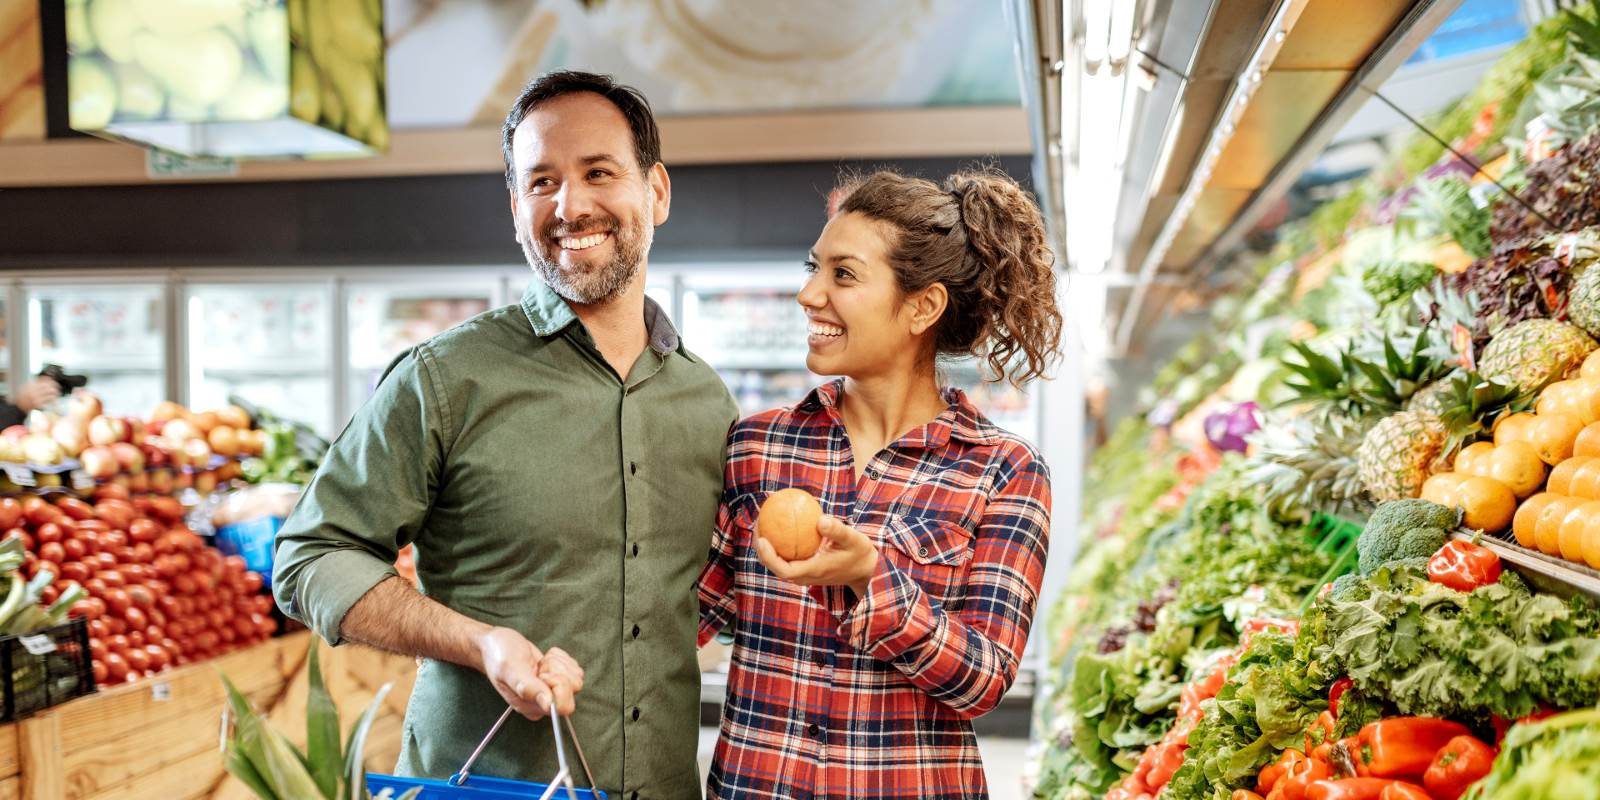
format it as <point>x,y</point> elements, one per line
<point>158,596</point>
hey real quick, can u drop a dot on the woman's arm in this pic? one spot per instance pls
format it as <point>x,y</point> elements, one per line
<point>715,586</point>
<point>966,659</point>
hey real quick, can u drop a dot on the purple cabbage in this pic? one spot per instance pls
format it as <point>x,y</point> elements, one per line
<point>1226,429</point>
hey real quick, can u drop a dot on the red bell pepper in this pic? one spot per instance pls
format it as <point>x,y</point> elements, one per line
<point>1298,777</point>
<point>1403,747</point>
<point>1244,794</point>
<point>1168,758</point>
<point>1400,790</point>
<point>1349,789</point>
<point>1339,688</point>
<point>1502,725</point>
<point>1459,764</point>
<point>1464,566</point>
<point>1349,758</point>
<point>1269,776</point>
<point>1325,725</point>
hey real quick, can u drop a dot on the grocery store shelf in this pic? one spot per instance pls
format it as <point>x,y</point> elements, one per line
<point>1543,572</point>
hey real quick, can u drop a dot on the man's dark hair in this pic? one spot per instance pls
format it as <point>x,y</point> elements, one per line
<point>549,86</point>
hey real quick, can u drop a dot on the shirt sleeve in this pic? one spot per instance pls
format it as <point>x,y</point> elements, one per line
<point>966,659</point>
<point>716,585</point>
<point>369,498</point>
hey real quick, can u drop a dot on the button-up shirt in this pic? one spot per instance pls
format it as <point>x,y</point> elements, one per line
<point>834,696</point>
<point>544,493</point>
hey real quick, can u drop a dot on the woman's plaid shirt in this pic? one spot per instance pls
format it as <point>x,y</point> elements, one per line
<point>831,696</point>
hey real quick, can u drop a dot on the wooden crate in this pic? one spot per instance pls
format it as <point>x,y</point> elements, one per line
<point>158,738</point>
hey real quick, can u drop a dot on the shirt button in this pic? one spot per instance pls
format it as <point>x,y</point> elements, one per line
<point>872,473</point>
<point>633,468</point>
<point>636,631</point>
<point>634,796</point>
<point>635,713</point>
<point>636,548</point>
<point>922,551</point>
<point>821,661</point>
<point>814,729</point>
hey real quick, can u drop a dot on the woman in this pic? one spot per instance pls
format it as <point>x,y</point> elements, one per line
<point>856,671</point>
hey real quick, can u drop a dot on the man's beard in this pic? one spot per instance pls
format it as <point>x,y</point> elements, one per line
<point>590,284</point>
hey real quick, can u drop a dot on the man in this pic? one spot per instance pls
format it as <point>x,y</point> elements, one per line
<point>557,465</point>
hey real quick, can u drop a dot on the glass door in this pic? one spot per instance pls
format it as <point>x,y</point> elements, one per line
<point>113,334</point>
<point>266,343</point>
<point>383,319</point>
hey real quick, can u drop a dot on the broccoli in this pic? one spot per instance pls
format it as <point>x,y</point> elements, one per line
<point>1347,588</point>
<point>1404,529</point>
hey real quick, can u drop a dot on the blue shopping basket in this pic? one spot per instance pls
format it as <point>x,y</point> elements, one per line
<point>464,784</point>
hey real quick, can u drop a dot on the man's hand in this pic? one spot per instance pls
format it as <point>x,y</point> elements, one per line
<point>846,557</point>
<point>562,674</point>
<point>512,663</point>
<point>38,393</point>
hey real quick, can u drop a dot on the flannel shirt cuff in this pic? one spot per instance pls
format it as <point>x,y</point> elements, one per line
<point>893,616</point>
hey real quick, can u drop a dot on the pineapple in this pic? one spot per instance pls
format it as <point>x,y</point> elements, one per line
<point>1534,353</point>
<point>1435,398</point>
<point>1368,378</point>
<point>1306,467</point>
<point>1396,455</point>
<point>1583,300</point>
<point>1471,407</point>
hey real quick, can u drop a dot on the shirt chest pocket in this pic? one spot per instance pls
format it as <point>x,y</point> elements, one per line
<point>934,552</point>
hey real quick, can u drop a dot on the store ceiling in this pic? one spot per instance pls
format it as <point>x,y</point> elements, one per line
<point>1225,103</point>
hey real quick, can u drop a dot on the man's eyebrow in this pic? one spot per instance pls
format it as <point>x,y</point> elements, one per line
<point>594,159</point>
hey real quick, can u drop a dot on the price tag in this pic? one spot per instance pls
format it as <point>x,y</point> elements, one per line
<point>161,691</point>
<point>19,474</point>
<point>38,644</point>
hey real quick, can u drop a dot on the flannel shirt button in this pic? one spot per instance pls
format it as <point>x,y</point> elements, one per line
<point>872,473</point>
<point>814,729</point>
<point>922,551</point>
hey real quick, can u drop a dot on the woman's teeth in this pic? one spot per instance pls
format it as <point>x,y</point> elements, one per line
<point>823,329</point>
<point>581,242</point>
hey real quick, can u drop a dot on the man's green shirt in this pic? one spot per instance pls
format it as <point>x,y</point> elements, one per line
<point>543,493</point>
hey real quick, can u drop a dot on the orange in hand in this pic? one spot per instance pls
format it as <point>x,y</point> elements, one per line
<point>788,519</point>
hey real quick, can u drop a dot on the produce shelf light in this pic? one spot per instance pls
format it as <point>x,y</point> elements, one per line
<point>230,78</point>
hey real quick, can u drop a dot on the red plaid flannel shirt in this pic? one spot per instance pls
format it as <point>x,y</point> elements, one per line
<point>831,696</point>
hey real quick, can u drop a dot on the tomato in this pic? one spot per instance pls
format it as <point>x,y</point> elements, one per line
<point>170,606</point>
<point>117,602</point>
<point>113,539</point>
<point>136,618</point>
<point>48,594</point>
<point>37,510</point>
<point>97,631</point>
<point>124,554</point>
<point>117,514</point>
<point>43,566</point>
<point>112,577</point>
<point>172,648</point>
<point>184,584</point>
<point>159,657</point>
<point>117,626</point>
<point>141,596</point>
<point>10,512</point>
<point>74,549</point>
<point>95,526</point>
<point>75,508</point>
<point>75,571</point>
<point>144,530</point>
<point>117,643</point>
<point>101,671</point>
<point>134,676</point>
<point>143,553</point>
<point>228,635</point>
<point>105,560</point>
<point>53,551</point>
<point>95,586</point>
<point>135,639</point>
<point>21,533</point>
<point>49,532</point>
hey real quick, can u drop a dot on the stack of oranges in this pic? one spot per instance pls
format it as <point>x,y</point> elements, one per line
<point>1559,512</point>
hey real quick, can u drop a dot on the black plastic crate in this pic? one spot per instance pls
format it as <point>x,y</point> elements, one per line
<point>45,669</point>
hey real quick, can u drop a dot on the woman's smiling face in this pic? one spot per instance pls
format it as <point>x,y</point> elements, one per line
<point>859,323</point>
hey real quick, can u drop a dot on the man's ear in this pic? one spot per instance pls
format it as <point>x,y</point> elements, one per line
<point>515,231</point>
<point>927,305</point>
<point>660,193</point>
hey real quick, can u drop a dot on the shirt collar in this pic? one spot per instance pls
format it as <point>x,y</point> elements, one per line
<point>960,420</point>
<point>549,314</point>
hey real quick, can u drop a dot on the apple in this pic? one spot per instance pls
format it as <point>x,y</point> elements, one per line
<point>167,410</point>
<point>129,457</point>
<point>154,455</point>
<point>234,417</point>
<point>197,453</point>
<point>40,449</point>
<point>180,430</point>
<point>140,483</point>
<point>99,462</point>
<point>136,430</point>
<point>11,450</point>
<point>205,482</point>
<point>205,421</point>
<point>15,433</point>
<point>108,430</point>
<point>71,434</point>
<point>84,405</point>
<point>224,440</point>
<point>161,482</point>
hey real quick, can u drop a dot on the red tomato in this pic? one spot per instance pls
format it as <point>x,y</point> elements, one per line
<point>105,560</point>
<point>53,551</point>
<point>228,635</point>
<point>117,643</point>
<point>97,631</point>
<point>234,565</point>
<point>172,648</point>
<point>116,513</point>
<point>171,606</point>
<point>184,584</point>
<point>49,594</point>
<point>159,657</point>
<point>112,540</point>
<point>75,571</point>
<point>101,672</point>
<point>10,512</point>
<point>74,549</point>
<point>134,676</point>
<point>75,508</point>
<point>94,585</point>
<point>95,526</point>
<point>49,532</point>
<point>43,566</point>
<point>117,602</point>
<point>143,553</point>
<point>136,639</point>
<point>117,626</point>
<point>124,554</point>
<point>136,618</point>
<point>143,530</point>
<point>141,596</point>
<point>112,577</point>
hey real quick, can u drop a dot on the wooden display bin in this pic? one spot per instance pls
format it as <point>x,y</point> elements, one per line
<point>158,739</point>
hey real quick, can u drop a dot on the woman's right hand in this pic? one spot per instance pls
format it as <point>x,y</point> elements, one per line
<point>529,680</point>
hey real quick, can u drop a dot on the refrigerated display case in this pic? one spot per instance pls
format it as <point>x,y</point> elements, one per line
<point>383,319</point>
<point>267,343</point>
<point>115,334</point>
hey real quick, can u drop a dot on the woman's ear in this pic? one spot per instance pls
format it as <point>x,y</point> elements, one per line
<point>927,305</point>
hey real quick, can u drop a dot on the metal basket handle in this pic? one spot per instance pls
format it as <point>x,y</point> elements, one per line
<point>563,778</point>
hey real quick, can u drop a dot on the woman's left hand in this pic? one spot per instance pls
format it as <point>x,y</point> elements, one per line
<point>846,557</point>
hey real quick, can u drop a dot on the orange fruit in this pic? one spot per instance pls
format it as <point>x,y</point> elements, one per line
<point>1516,465</point>
<point>1591,543</point>
<point>788,519</point>
<point>1441,488</point>
<point>1588,441</point>
<point>1585,480</point>
<point>1561,477</point>
<point>1472,455</point>
<point>1552,436</point>
<point>1553,399</point>
<point>1579,397</point>
<point>1547,531</point>
<point>1527,517</point>
<point>1569,539</point>
<point>1591,366</point>
<point>1488,504</point>
<point>1512,428</point>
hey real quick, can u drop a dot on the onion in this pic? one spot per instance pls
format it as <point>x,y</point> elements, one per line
<point>1226,429</point>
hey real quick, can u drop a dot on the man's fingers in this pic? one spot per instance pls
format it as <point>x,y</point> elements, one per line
<point>565,700</point>
<point>560,668</point>
<point>531,697</point>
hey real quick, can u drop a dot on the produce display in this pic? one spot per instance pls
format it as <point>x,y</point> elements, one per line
<point>1340,551</point>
